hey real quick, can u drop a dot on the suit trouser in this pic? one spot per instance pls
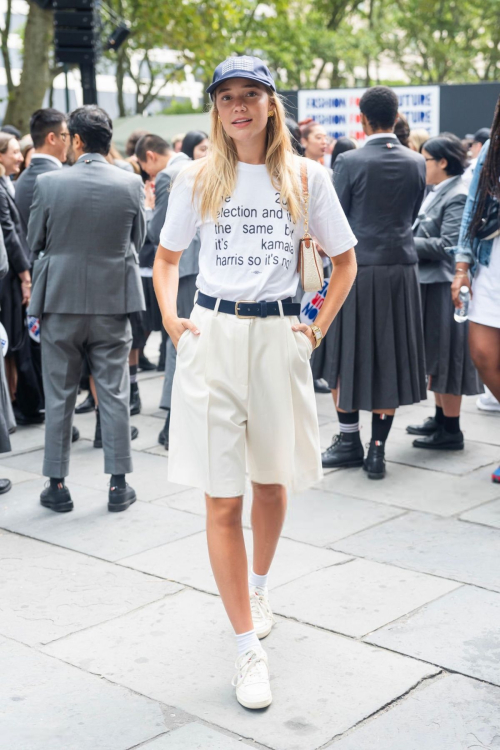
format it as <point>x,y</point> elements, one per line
<point>106,340</point>
<point>185,304</point>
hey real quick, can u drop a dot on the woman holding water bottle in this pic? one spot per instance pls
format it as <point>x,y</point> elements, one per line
<point>478,254</point>
<point>450,369</point>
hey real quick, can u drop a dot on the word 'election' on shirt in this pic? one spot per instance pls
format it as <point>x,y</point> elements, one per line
<point>250,252</point>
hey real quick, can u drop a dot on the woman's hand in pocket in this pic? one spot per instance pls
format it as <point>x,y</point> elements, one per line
<point>308,332</point>
<point>175,328</point>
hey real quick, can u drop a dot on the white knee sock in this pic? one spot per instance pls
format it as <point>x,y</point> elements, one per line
<point>245,641</point>
<point>256,580</point>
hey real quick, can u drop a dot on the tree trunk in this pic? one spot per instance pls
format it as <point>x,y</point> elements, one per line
<point>120,77</point>
<point>35,76</point>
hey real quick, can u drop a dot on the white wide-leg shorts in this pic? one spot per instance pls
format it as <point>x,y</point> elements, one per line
<point>243,402</point>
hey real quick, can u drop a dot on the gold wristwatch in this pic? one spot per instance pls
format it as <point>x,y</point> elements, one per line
<point>318,335</point>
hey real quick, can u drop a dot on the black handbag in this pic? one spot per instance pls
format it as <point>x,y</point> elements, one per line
<point>490,223</point>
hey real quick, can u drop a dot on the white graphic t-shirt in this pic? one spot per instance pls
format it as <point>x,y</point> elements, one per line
<point>250,252</point>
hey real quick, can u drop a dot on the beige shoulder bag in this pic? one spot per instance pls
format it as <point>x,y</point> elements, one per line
<point>310,265</point>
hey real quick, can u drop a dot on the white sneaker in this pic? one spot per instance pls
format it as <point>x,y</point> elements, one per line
<point>262,615</point>
<point>487,402</point>
<point>252,679</point>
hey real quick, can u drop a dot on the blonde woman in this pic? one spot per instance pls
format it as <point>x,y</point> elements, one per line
<point>243,394</point>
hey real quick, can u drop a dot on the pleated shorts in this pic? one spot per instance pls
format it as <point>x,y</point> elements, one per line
<point>243,403</point>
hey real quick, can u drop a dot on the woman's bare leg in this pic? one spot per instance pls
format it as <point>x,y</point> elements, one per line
<point>484,343</point>
<point>268,515</point>
<point>228,558</point>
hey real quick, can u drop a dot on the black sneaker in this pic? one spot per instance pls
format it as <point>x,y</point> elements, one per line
<point>441,441</point>
<point>120,498</point>
<point>344,452</point>
<point>57,498</point>
<point>427,428</point>
<point>163,437</point>
<point>5,486</point>
<point>134,432</point>
<point>374,463</point>
<point>87,405</point>
<point>145,364</point>
<point>135,399</point>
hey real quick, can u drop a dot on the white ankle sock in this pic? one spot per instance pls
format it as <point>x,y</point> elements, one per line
<point>255,580</point>
<point>245,641</point>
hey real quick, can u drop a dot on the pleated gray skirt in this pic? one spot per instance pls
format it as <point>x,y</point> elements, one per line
<point>374,351</point>
<point>447,356</point>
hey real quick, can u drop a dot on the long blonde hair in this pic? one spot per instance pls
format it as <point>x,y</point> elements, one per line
<point>217,173</point>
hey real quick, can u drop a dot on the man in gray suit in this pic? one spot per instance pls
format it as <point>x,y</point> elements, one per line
<point>50,135</point>
<point>158,159</point>
<point>85,224</point>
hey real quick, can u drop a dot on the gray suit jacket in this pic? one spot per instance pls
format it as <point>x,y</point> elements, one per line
<point>436,231</point>
<point>25,186</point>
<point>381,187</point>
<point>189,259</point>
<point>86,223</point>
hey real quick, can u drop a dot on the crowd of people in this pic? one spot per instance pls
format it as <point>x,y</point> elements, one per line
<point>199,238</point>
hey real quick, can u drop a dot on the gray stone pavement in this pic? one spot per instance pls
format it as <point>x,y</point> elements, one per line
<point>387,596</point>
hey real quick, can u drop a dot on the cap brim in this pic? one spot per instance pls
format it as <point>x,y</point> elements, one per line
<point>237,74</point>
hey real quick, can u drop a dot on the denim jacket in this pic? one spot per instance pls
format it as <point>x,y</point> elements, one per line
<point>477,251</point>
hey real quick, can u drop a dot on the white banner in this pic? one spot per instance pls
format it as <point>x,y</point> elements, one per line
<point>338,109</point>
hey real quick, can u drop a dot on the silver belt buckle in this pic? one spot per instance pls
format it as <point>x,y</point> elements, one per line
<point>247,302</point>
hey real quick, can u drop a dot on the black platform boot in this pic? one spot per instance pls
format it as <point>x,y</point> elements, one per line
<point>135,399</point>
<point>86,406</point>
<point>374,463</point>
<point>163,437</point>
<point>429,427</point>
<point>56,497</point>
<point>345,451</point>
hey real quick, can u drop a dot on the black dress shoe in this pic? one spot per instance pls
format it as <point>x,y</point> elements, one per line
<point>5,485</point>
<point>87,405</point>
<point>134,432</point>
<point>75,434</point>
<point>374,463</point>
<point>27,419</point>
<point>427,428</point>
<point>321,386</point>
<point>345,451</point>
<point>135,399</point>
<point>163,437</point>
<point>57,498</point>
<point>441,441</point>
<point>120,498</point>
<point>145,364</point>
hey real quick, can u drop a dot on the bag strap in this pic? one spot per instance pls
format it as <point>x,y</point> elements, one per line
<point>305,193</point>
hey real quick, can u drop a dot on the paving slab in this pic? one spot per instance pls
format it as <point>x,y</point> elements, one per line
<point>487,514</point>
<point>322,683</point>
<point>147,425</point>
<point>47,704</point>
<point>27,438</point>
<point>90,528</point>
<point>357,597</point>
<point>149,477</point>
<point>48,592</point>
<point>187,561</point>
<point>17,475</point>
<point>459,632</point>
<point>462,462</point>
<point>320,518</point>
<point>195,736</point>
<point>449,712</point>
<point>416,489</point>
<point>444,547</point>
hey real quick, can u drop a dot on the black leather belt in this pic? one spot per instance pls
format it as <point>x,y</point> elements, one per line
<point>249,308</point>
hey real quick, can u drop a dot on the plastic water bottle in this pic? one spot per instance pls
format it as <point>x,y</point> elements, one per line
<point>462,313</point>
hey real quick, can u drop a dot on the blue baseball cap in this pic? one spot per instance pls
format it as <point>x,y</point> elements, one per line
<point>242,67</point>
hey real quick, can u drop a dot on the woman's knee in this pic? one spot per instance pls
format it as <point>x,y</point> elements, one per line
<point>224,511</point>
